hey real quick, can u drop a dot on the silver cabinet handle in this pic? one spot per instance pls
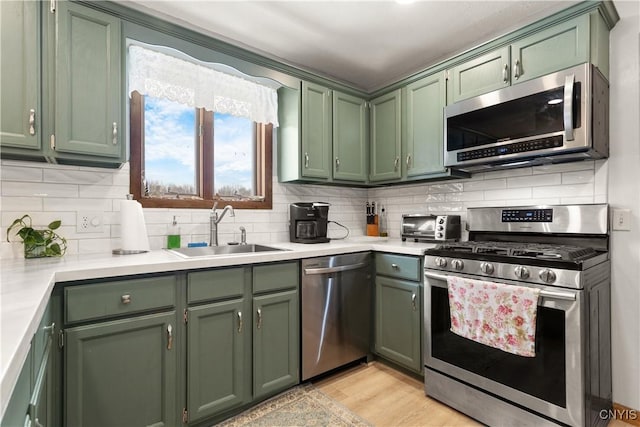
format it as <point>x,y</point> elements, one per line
<point>395,266</point>
<point>126,299</point>
<point>413,301</point>
<point>396,162</point>
<point>408,160</point>
<point>505,73</point>
<point>306,160</point>
<point>37,423</point>
<point>337,163</point>
<point>50,329</point>
<point>516,69</point>
<point>115,133</point>
<point>568,107</point>
<point>32,122</point>
<point>240,322</point>
<point>169,337</point>
<point>259,320</point>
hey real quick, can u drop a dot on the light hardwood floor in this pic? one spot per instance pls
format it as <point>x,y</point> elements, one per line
<point>386,397</point>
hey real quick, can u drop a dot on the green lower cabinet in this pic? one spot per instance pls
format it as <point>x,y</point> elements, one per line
<point>122,372</point>
<point>218,342</point>
<point>398,335</point>
<point>276,363</point>
<point>17,410</point>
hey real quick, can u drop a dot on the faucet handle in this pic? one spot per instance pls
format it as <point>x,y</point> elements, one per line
<point>243,236</point>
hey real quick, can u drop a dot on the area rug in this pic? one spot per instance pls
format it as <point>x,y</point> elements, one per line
<point>304,405</point>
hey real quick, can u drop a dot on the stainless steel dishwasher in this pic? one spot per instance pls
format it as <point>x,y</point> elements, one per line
<point>336,307</point>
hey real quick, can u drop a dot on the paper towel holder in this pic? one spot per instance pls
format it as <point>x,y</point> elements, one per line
<point>128,251</point>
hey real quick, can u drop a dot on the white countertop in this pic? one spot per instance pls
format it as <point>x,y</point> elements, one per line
<point>26,285</point>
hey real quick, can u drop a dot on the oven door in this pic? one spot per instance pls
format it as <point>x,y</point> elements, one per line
<point>551,383</point>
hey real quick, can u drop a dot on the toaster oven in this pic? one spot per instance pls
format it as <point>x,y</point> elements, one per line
<point>421,227</point>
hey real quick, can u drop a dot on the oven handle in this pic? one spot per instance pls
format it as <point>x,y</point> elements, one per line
<point>569,296</point>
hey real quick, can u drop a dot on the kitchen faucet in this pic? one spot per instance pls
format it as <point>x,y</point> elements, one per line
<point>214,219</point>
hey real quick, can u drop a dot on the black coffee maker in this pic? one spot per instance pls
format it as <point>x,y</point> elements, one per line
<point>308,222</point>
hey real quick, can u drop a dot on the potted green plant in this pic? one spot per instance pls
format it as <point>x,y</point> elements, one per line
<point>38,243</point>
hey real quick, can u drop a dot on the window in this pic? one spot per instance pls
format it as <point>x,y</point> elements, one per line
<point>185,155</point>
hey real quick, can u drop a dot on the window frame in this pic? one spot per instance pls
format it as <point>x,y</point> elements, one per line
<point>263,173</point>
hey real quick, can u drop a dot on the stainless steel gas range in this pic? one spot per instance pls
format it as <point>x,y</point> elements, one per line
<point>561,250</point>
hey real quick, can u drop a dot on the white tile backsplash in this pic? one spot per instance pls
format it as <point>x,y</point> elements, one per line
<point>71,189</point>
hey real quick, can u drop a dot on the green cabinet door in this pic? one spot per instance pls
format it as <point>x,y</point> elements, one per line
<point>122,373</point>
<point>556,48</point>
<point>20,75</point>
<point>18,405</point>
<point>398,335</point>
<point>480,75</point>
<point>316,131</point>
<point>88,82</point>
<point>349,138</point>
<point>276,353</point>
<point>423,118</point>
<point>386,137</point>
<point>217,371</point>
<point>42,399</point>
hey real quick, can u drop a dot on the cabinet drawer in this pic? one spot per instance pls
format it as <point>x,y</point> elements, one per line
<point>100,300</point>
<point>400,266</point>
<point>272,277</point>
<point>216,284</point>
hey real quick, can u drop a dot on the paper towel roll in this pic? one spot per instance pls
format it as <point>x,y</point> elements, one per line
<point>133,230</point>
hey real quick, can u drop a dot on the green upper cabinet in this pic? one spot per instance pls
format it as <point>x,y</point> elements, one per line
<point>20,75</point>
<point>316,131</point>
<point>386,137</point>
<point>480,75</point>
<point>553,49</point>
<point>572,42</point>
<point>349,138</point>
<point>88,83</point>
<point>322,135</point>
<point>423,118</point>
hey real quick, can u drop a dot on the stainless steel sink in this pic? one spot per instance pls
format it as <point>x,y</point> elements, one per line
<point>208,251</point>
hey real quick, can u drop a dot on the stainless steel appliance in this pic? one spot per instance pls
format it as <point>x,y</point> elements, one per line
<point>336,311</point>
<point>563,250</point>
<point>555,118</point>
<point>308,222</point>
<point>420,227</point>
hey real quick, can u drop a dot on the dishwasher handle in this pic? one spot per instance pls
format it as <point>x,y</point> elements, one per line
<point>327,270</point>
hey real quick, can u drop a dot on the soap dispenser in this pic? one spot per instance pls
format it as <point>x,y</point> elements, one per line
<point>173,236</point>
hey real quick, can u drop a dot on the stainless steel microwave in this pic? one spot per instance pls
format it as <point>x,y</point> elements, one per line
<point>559,117</point>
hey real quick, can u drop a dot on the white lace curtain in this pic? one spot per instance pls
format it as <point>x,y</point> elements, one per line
<point>160,75</point>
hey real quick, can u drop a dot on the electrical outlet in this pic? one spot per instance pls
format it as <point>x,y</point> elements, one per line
<point>621,219</point>
<point>89,222</point>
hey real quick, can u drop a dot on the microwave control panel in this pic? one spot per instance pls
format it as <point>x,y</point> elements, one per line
<point>516,147</point>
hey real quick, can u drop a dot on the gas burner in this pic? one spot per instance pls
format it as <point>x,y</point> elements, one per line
<point>540,251</point>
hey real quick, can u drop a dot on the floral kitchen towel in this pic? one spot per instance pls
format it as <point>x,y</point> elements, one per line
<point>494,314</point>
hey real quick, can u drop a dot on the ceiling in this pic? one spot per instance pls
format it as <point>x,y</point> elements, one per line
<point>365,44</point>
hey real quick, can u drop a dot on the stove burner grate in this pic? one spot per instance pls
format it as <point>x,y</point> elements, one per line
<point>521,250</point>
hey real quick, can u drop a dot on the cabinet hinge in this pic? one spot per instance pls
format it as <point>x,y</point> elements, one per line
<point>185,416</point>
<point>446,74</point>
<point>60,339</point>
<point>185,316</point>
<point>200,130</point>
<point>52,6</point>
<point>52,142</point>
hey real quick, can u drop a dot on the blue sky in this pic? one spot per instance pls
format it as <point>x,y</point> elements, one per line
<point>170,145</point>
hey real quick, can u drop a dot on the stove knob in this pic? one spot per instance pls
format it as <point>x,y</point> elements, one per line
<point>457,264</point>
<point>521,272</point>
<point>441,262</point>
<point>486,267</point>
<point>547,276</point>
<point>439,228</point>
<point>439,235</point>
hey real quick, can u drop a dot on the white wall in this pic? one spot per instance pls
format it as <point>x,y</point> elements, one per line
<point>51,192</point>
<point>624,192</point>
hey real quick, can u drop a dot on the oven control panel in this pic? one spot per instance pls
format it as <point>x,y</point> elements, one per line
<point>527,215</point>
